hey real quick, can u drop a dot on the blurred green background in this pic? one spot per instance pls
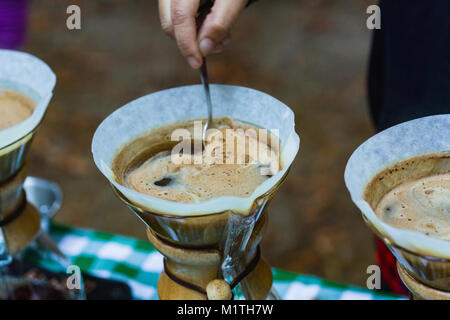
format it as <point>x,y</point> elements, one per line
<point>310,54</point>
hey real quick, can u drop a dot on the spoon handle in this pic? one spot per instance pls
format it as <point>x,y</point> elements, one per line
<point>205,82</point>
<point>204,9</point>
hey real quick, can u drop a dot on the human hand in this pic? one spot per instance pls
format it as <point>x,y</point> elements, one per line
<point>178,20</point>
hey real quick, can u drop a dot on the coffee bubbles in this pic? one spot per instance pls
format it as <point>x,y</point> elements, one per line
<point>236,158</point>
<point>421,205</point>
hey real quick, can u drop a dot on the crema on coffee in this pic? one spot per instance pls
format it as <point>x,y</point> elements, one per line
<point>421,205</point>
<point>152,166</point>
<point>14,108</point>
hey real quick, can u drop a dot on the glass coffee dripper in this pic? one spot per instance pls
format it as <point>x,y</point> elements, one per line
<point>409,151</point>
<point>211,248</point>
<point>22,243</point>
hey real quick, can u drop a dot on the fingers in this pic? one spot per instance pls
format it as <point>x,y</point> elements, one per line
<point>165,16</point>
<point>217,24</point>
<point>183,20</point>
<point>178,21</point>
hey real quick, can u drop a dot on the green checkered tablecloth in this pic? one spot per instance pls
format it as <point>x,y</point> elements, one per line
<point>137,263</point>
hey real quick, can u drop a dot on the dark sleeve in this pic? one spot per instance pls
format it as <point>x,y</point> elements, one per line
<point>409,67</point>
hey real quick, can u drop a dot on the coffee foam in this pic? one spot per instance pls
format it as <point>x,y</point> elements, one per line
<point>193,183</point>
<point>14,108</point>
<point>25,74</point>
<point>424,138</point>
<point>181,104</point>
<point>213,173</point>
<point>422,205</point>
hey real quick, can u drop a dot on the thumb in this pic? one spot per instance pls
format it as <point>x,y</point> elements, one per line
<point>218,23</point>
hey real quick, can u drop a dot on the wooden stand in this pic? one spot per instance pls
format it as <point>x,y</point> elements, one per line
<point>420,291</point>
<point>201,252</point>
<point>189,271</point>
<point>20,220</point>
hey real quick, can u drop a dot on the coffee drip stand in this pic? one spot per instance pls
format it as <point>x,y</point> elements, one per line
<point>409,151</point>
<point>19,221</point>
<point>21,236</point>
<point>23,245</point>
<point>209,256</point>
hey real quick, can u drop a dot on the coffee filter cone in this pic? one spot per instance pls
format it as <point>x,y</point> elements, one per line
<point>28,75</point>
<point>414,138</point>
<point>188,103</point>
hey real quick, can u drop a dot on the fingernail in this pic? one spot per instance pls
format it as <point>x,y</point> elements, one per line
<point>206,46</point>
<point>194,62</point>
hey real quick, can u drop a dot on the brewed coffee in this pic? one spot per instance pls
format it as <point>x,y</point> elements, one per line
<point>14,108</point>
<point>202,173</point>
<point>422,205</point>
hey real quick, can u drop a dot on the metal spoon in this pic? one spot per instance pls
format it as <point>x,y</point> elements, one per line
<point>205,82</point>
<point>204,8</point>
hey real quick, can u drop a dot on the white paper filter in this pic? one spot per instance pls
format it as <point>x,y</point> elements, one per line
<point>407,140</point>
<point>185,103</point>
<point>24,73</point>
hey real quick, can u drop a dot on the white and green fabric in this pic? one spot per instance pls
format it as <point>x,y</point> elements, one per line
<point>137,263</point>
